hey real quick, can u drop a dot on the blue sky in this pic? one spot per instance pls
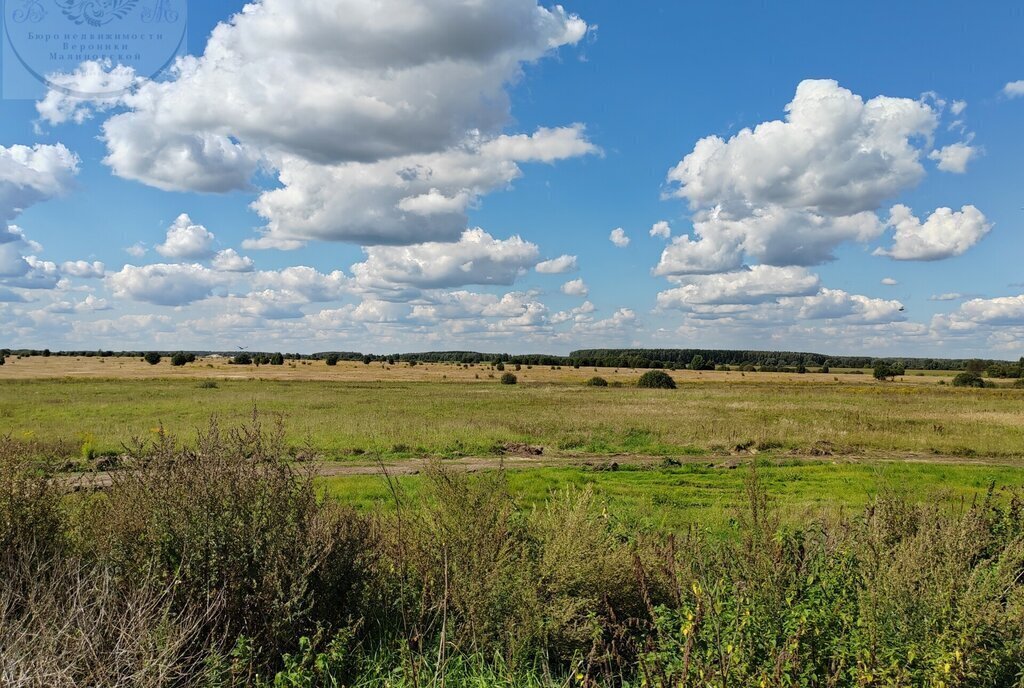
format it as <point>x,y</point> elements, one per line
<point>445,175</point>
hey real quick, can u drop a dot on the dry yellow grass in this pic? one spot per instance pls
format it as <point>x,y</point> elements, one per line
<point>349,371</point>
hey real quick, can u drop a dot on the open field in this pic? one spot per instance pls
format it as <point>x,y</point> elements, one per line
<point>637,537</point>
<point>92,367</point>
<point>347,412</point>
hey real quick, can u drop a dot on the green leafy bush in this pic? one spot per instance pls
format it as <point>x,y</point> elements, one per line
<point>656,379</point>
<point>152,358</point>
<point>597,382</point>
<point>509,379</point>
<point>968,380</point>
<point>332,359</point>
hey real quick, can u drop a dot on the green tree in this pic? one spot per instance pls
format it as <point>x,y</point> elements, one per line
<point>509,379</point>
<point>152,358</point>
<point>179,359</point>
<point>332,359</point>
<point>883,371</point>
<point>697,362</point>
<point>277,359</point>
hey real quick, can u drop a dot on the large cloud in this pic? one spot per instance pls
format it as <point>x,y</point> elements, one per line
<point>332,81</point>
<point>477,258</point>
<point>789,191</point>
<point>165,285</point>
<point>30,175</point>
<point>402,200</point>
<point>946,233</point>
<point>758,284</point>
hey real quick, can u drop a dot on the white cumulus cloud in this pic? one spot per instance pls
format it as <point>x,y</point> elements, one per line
<point>619,238</point>
<point>477,258</point>
<point>576,287</point>
<point>558,266</point>
<point>946,233</point>
<point>1014,89</point>
<point>187,240</point>
<point>788,192</point>
<point>954,157</point>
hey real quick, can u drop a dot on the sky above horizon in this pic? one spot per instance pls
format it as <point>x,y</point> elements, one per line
<point>507,175</point>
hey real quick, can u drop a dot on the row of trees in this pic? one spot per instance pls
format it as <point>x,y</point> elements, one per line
<point>673,359</point>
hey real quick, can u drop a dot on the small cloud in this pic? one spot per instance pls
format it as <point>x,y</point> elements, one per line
<point>958,107</point>
<point>557,266</point>
<point>954,158</point>
<point>1014,89</point>
<point>661,229</point>
<point>952,296</point>
<point>136,250</point>
<point>576,287</point>
<point>619,238</point>
<point>889,282</point>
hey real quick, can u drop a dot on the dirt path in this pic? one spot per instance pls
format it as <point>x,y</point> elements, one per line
<point>330,469</point>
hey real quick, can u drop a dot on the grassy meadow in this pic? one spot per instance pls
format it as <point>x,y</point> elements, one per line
<point>743,529</point>
<point>347,412</point>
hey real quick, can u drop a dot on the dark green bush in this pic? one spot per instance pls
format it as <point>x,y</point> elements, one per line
<point>597,382</point>
<point>656,379</point>
<point>332,359</point>
<point>968,380</point>
<point>509,379</point>
<point>152,358</point>
<point>179,359</point>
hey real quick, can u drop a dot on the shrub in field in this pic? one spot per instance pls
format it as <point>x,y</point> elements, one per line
<point>968,380</point>
<point>1019,384</point>
<point>597,382</point>
<point>179,359</point>
<point>332,359</point>
<point>500,366</point>
<point>242,359</point>
<point>232,520</point>
<point>152,358</point>
<point>2,360</point>
<point>277,360</point>
<point>656,379</point>
<point>502,583</point>
<point>509,379</point>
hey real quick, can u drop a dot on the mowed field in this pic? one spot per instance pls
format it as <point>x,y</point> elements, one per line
<point>821,441</point>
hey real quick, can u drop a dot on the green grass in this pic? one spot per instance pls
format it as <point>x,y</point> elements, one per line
<point>344,419</point>
<point>706,497</point>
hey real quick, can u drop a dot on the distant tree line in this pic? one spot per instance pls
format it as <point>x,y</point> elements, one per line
<point>672,359</point>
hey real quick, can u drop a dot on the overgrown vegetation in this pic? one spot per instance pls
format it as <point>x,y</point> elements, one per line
<point>219,564</point>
